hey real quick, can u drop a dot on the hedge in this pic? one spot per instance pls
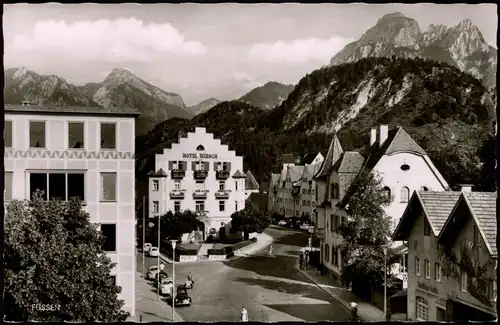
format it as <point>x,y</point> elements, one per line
<point>217,251</point>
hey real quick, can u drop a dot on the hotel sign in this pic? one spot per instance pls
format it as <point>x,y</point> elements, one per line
<point>200,156</point>
<point>427,287</point>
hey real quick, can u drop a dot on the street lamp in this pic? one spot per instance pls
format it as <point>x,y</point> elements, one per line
<point>385,280</point>
<point>158,262</point>
<point>173,241</point>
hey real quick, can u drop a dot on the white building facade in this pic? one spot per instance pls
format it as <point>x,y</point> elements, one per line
<point>199,174</point>
<point>84,152</point>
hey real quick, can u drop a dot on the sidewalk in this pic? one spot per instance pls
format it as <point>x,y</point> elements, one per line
<point>263,240</point>
<point>147,305</point>
<point>366,311</point>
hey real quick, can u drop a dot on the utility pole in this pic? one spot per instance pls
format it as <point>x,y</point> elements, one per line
<point>159,230</point>
<point>143,234</point>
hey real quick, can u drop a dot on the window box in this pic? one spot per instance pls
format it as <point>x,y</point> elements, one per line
<point>200,174</point>
<point>222,194</point>
<point>177,194</point>
<point>200,194</point>
<point>222,174</point>
<point>178,173</point>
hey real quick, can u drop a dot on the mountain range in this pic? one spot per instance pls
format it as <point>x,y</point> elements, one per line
<point>394,34</point>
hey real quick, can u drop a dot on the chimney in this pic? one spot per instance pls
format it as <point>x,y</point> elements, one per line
<point>383,134</point>
<point>466,188</point>
<point>373,136</point>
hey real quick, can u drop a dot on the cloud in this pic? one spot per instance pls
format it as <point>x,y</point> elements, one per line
<point>104,40</point>
<point>297,51</point>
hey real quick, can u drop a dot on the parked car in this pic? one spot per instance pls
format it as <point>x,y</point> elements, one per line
<point>282,223</point>
<point>153,252</point>
<point>182,298</point>
<point>304,226</point>
<point>146,247</point>
<point>166,287</point>
<point>162,275</point>
<point>152,271</point>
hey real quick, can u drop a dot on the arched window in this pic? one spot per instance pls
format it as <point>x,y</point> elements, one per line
<point>387,191</point>
<point>422,309</point>
<point>424,188</point>
<point>200,148</point>
<point>405,194</point>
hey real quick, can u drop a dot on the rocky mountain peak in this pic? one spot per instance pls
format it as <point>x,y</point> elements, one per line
<point>121,75</point>
<point>390,17</point>
<point>20,73</point>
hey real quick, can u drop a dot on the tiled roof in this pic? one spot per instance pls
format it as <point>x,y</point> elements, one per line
<point>309,172</point>
<point>308,158</point>
<point>350,162</point>
<point>333,154</point>
<point>251,182</point>
<point>403,142</point>
<point>295,173</point>
<point>483,206</point>
<point>159,173</point>
<point>288,158</point>
<point>438,206</point>
<point>70,110</point>
<point>239,174</point>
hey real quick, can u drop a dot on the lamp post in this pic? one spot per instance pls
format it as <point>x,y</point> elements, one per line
<point>143,235</point>
<point>385,280</point>
<point>158,263</point>
<point>173,241</point>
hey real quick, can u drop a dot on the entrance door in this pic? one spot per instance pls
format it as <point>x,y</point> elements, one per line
<point>440,314</point>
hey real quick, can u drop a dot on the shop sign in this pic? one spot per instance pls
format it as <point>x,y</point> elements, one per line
<point>200,156</point>
<point>427,287</point>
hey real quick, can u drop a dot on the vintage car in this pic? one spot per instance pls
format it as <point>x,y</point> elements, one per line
<point>181,298</point>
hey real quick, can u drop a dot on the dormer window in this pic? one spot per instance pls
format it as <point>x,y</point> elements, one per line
<point>387,191</point>
<point>424,189</point>
<point>200,148</point>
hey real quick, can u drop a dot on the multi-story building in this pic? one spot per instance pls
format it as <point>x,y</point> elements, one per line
<point>442,227</point>
<point>291,192</point>
<point>199,174</point>
<point>79,152</point>
<point>403,167</point>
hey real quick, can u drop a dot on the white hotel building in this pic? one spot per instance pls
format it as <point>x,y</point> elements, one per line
<point>85,152</point>
<point>199,174</point>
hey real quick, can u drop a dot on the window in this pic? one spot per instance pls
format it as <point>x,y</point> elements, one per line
<point>387,191</point>
<point>200,185</point>
<point>156,185</point>
<point>177,206</point>
<point>405,194</point>
<point>55,185</point>
<point>109,233</point>
<point>221,205</point>
<point>427,227</point>
<point>427,269</point>
<point>75,135</point>
<point>175,165</point>
<point>333,255</point>
<point>477,236</point>
<point>331,223</point>
<point>222,186</point>
<point>405,167</point>
<point>113,279</point>
<point>7,186</point>
<point>224,166</point>
<point>422,310</point>
<point>37,134</point>
<point>177,185</point>
<point>108,186</point>
<point>463,281</point>
<point>424,188</point>
<point>7,134</point>
<point>332,191</point>
<point>417,266</point>
<point>156,206</point>
<point>327,252</point>
<point>437,272</point>
<point>108,136</point>
<point>200,206</point>
<point>235,205</point>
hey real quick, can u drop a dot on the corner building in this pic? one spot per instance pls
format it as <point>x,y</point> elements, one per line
<point>200,174</point>
<point>80,152</point>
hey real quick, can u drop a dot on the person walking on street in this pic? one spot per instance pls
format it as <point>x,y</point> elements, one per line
<point>271,249</point>
<point>244,314</point>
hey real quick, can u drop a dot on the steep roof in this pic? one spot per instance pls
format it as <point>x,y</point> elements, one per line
<point>159,173</point>
<point>437,206</point>
<point>309,158</point>
<point>251,182</point>
<point>275,178</point>
<point>349,162</point>
<point>295,173</point>
<point>309,172</point>
<point>483,208</point>
<point>288,158</point>
<point>239,174</point>
<point>397,141</point>
<point>333,154</point>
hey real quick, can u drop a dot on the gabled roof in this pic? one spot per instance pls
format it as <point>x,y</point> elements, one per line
<point>295,173</point>
<point>309,172</point>
<point>349,162</point>
<point>159,173</point>
<point>251,182</point>
<point>275,178</point>
<point>333,154</point>
<point>288,158</point>
<point>309,158</point>
<point>239,174</point>
<point>482,206</point>
<point>437,207</point>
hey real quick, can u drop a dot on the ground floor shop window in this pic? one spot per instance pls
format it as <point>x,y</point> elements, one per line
<point>422,309</point>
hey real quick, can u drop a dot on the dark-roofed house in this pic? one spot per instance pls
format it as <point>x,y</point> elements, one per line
<point>292,187</point>
<point>403,167</point>
<point>251,184</point>
<point>311,159</point>
<point>272,193</point>
<point>87,152</point>
<point>441,227</point>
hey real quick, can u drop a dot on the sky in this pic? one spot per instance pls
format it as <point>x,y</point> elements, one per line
<point>202,51</point>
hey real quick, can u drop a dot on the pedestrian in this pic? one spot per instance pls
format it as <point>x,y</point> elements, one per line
<point>388,314</point>
<point>354,312</point>
<point>271,249</point>
<point>244,314</point>
<point>140,318</point>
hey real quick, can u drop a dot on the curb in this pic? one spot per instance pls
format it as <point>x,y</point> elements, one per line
<point>336,298</point>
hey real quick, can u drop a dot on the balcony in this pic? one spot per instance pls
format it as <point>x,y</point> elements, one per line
<point>200,194</point>
<point>202,213</point>
<point>222,194</point>
<point>178,173</point>
<point>222,174</point>
<point>200,174</point>
<point>177,194</point>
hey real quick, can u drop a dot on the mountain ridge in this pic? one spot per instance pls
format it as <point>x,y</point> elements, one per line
<point>267,96</point>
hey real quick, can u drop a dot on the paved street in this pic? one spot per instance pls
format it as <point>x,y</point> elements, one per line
<point>268,286</point>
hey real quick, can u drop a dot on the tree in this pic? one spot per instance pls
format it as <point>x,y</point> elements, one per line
<point>365,232</point>
<point>53,256</point>
<point>173,225</point>
<point>249,220</point>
